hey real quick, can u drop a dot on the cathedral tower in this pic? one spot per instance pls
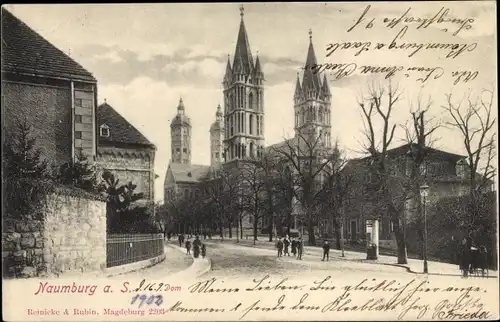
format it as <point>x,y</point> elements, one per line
<point>180,131</point>
<point>217,138</point>
<point>312,102</point>
<point>243,102</point>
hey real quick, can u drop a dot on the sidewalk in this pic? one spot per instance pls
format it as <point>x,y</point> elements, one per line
<point>199,266</point>
<point>414,265</point>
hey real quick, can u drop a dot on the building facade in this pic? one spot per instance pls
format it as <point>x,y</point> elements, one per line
<point>217,139</point>
<point>48,90</point>
<point>444,172</point>
<point>125,151</point>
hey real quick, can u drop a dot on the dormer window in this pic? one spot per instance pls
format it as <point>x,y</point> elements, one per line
<point>104,131</point>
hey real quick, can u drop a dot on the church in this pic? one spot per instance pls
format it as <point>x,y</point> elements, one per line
<point>237,134</point>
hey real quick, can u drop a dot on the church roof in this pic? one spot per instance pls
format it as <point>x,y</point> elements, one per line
<point>311,79</point>
<point>258,70</point>
<point>281,146</point>
<point>243,61</point>
<point>26,51</point>
<point>190,173</point>
<point>120,130</point>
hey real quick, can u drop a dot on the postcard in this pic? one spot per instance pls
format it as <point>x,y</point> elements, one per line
<point>250,162</point>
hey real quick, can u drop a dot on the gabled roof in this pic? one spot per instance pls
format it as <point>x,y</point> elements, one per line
<point>120,130</point>
<point>25,51</point>
<point>431,152</point>
<point>190,173</point>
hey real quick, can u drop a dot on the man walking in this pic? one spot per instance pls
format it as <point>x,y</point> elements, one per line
<point>180,240</point>
<point>188,247</point>
<point>279,245</point>
<point>326,251</point>
<point>294,247</point>
<point>300,248</point>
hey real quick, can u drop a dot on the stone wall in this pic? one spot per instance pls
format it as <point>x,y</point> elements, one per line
<point>70,237</point>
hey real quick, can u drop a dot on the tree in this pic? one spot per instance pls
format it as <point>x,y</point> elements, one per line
<point>476,125</point>
<point>79,173</point>
<point>26,175</point>
<point>222,193</point>
<point>336,191</point>
<point>475,122</point>
<point>379,105</point>
<point>308,157</point>
<point>419,139</point>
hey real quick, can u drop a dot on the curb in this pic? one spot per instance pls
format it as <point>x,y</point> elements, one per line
<point>127,268</point>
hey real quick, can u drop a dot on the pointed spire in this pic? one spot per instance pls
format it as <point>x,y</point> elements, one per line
<point>242,53</point>
<point>258,69</point>
<point>325,88</point>
<point>229,71</point>
<point>298,88</point>
<point>311,81</point>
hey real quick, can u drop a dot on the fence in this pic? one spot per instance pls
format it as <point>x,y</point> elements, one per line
<point>124,249</point>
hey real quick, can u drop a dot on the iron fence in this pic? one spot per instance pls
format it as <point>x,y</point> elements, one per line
<point>124,249</point>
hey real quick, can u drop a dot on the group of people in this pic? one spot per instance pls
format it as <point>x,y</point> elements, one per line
<point>168,235</point>
<point>297,247</point>
<point>472,259</point>
<point>197,245</point>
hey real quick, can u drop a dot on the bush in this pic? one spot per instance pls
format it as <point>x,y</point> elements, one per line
<point>450,220</point>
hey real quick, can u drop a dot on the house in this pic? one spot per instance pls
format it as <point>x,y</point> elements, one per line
<point>50,91</point>
<point>444,172</point>
<point>125,151</point>
<point>183,180</point>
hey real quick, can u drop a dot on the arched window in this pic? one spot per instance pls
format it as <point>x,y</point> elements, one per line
<point>251,124</point>
<point>251,150</point>
<point>321,116</point>
<point>250,101</point>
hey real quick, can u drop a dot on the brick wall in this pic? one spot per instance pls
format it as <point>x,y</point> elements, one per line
<point>47,109</point>
<point>71,236</point>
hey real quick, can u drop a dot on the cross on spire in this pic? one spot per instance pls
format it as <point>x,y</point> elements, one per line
<point>242,9</point>
<point>310,34</point>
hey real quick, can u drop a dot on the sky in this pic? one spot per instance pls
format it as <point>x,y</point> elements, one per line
<point>146,56</point>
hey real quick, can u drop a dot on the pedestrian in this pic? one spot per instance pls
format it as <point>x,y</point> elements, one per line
<point>294,247</point>
<point>196,246</point>
<point>279,245</point>
<point>203,250</point>
<point>188,247</point>
<point>286,243</point>
<point>464,258</point>
<point>169,235</point>
<point>300,248</point>
<point>326,251</point>
<point>180,240</point>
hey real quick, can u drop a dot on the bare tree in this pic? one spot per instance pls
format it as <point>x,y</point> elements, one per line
<point>308,157</point>
<point>335,193</point>
<point>475,123</point>
<point>222,192</point>
<point>379,105</point>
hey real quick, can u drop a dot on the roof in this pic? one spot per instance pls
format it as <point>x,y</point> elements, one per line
<point>242,55</point>
<point>431,152</point>
<point>193,173</point>
<point>26,51</point>
<point>311,79</point>
<point>281,145</point>
<point>120,130</point>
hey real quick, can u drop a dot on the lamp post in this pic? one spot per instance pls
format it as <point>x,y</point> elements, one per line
<point>424,191</point>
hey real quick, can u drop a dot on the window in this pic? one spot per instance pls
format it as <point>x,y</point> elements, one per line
<point>178,150</point>
<point>78,118</point>
<point>460,168</point>
<point>217,155</point>
<point>78,135</point>
<point>251,124</point>
<point>104,131</point>
<point>184,150</point>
